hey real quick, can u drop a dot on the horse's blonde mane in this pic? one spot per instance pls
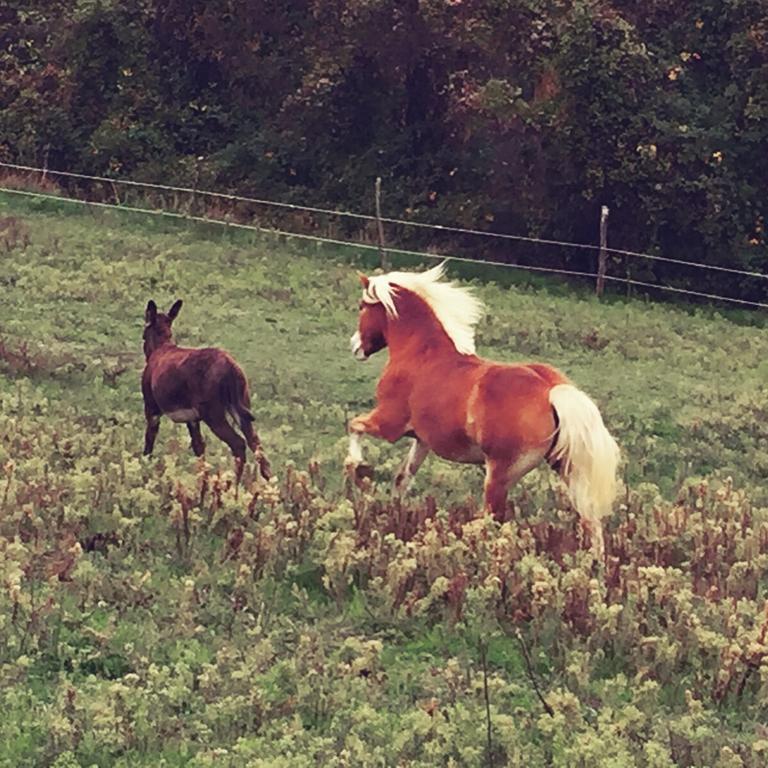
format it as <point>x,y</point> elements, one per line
<point>455,308</point>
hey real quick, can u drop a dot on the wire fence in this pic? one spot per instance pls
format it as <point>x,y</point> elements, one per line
<point>114,183</point>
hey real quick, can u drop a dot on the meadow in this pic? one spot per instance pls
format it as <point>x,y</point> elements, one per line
<point>148,617</point>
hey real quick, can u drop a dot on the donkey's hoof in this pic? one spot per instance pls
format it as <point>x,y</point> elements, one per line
<point>363,472</point>
<point>265,468</point>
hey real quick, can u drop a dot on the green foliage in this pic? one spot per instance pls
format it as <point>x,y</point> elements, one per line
<point>149,617</point>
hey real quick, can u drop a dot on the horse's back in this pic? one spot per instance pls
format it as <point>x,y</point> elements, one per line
<point>549,373</point>
<point>476,407</point>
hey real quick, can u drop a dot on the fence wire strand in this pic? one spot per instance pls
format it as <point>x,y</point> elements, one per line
<point>387,220</point>
<point>368,246</point>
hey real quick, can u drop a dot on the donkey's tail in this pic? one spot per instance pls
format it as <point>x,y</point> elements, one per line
<point>235,397</point>
<point>586,455</point>
<point>243,412</point>
<point>238,403</point>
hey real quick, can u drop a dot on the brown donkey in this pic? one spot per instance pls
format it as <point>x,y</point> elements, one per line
<point>194,385</point>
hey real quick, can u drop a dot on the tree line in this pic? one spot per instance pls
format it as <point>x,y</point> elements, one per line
<point>516,116</point>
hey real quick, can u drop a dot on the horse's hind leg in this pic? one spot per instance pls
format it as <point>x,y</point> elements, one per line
<point>592,525</point>
<point>198,444</point>
<point>595,530</point>
<point>500,474</point>
<point>496,485</point>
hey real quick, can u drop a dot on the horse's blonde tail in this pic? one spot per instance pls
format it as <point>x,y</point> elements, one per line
<point>586,456</point>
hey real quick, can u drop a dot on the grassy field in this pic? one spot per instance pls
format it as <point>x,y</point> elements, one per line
<point>147,617</point>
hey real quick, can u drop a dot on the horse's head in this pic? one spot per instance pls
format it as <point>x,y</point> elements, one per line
<point>157,328</point>
<point>371,326</point>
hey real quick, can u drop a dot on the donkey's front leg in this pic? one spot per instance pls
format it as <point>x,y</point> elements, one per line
<point>152,413</point>
<point>198,444</point>
<point>153,425</point>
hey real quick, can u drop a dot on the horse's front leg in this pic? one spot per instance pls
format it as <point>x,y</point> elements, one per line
<point>354,463</point>
<point>355,449</point>
<point>416,455</point>
<point>378,423</point>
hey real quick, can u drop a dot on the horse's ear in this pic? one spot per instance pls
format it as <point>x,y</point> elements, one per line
<point>364,280</point>
<point>174,310</point>
<point>151,312</point>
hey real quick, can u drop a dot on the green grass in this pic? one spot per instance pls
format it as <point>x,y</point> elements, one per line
<point>313,643</point>
<point>682,388</point>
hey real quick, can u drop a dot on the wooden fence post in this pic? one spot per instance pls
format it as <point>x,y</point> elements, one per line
<point>603,253</point>
<point>380,226</point>
<point>45,160</point>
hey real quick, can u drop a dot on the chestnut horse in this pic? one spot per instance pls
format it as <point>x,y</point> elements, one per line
<point>194,385</point>
<point>466,409</point>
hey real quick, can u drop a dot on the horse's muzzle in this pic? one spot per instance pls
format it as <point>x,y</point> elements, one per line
<point>356,344</point>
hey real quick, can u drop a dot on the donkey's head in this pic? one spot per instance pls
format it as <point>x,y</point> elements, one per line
<point>157,328</point>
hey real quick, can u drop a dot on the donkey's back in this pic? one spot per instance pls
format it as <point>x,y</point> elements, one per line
<point>196,379</point>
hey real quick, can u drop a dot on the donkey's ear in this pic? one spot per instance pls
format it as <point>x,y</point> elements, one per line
<point>174,310</point>
<point>151,312</point>
<point>364,280</point>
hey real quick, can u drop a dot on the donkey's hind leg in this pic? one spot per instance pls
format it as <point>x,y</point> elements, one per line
<point>220,427</point>
<point>198,444</point>
<point>252,439</point>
